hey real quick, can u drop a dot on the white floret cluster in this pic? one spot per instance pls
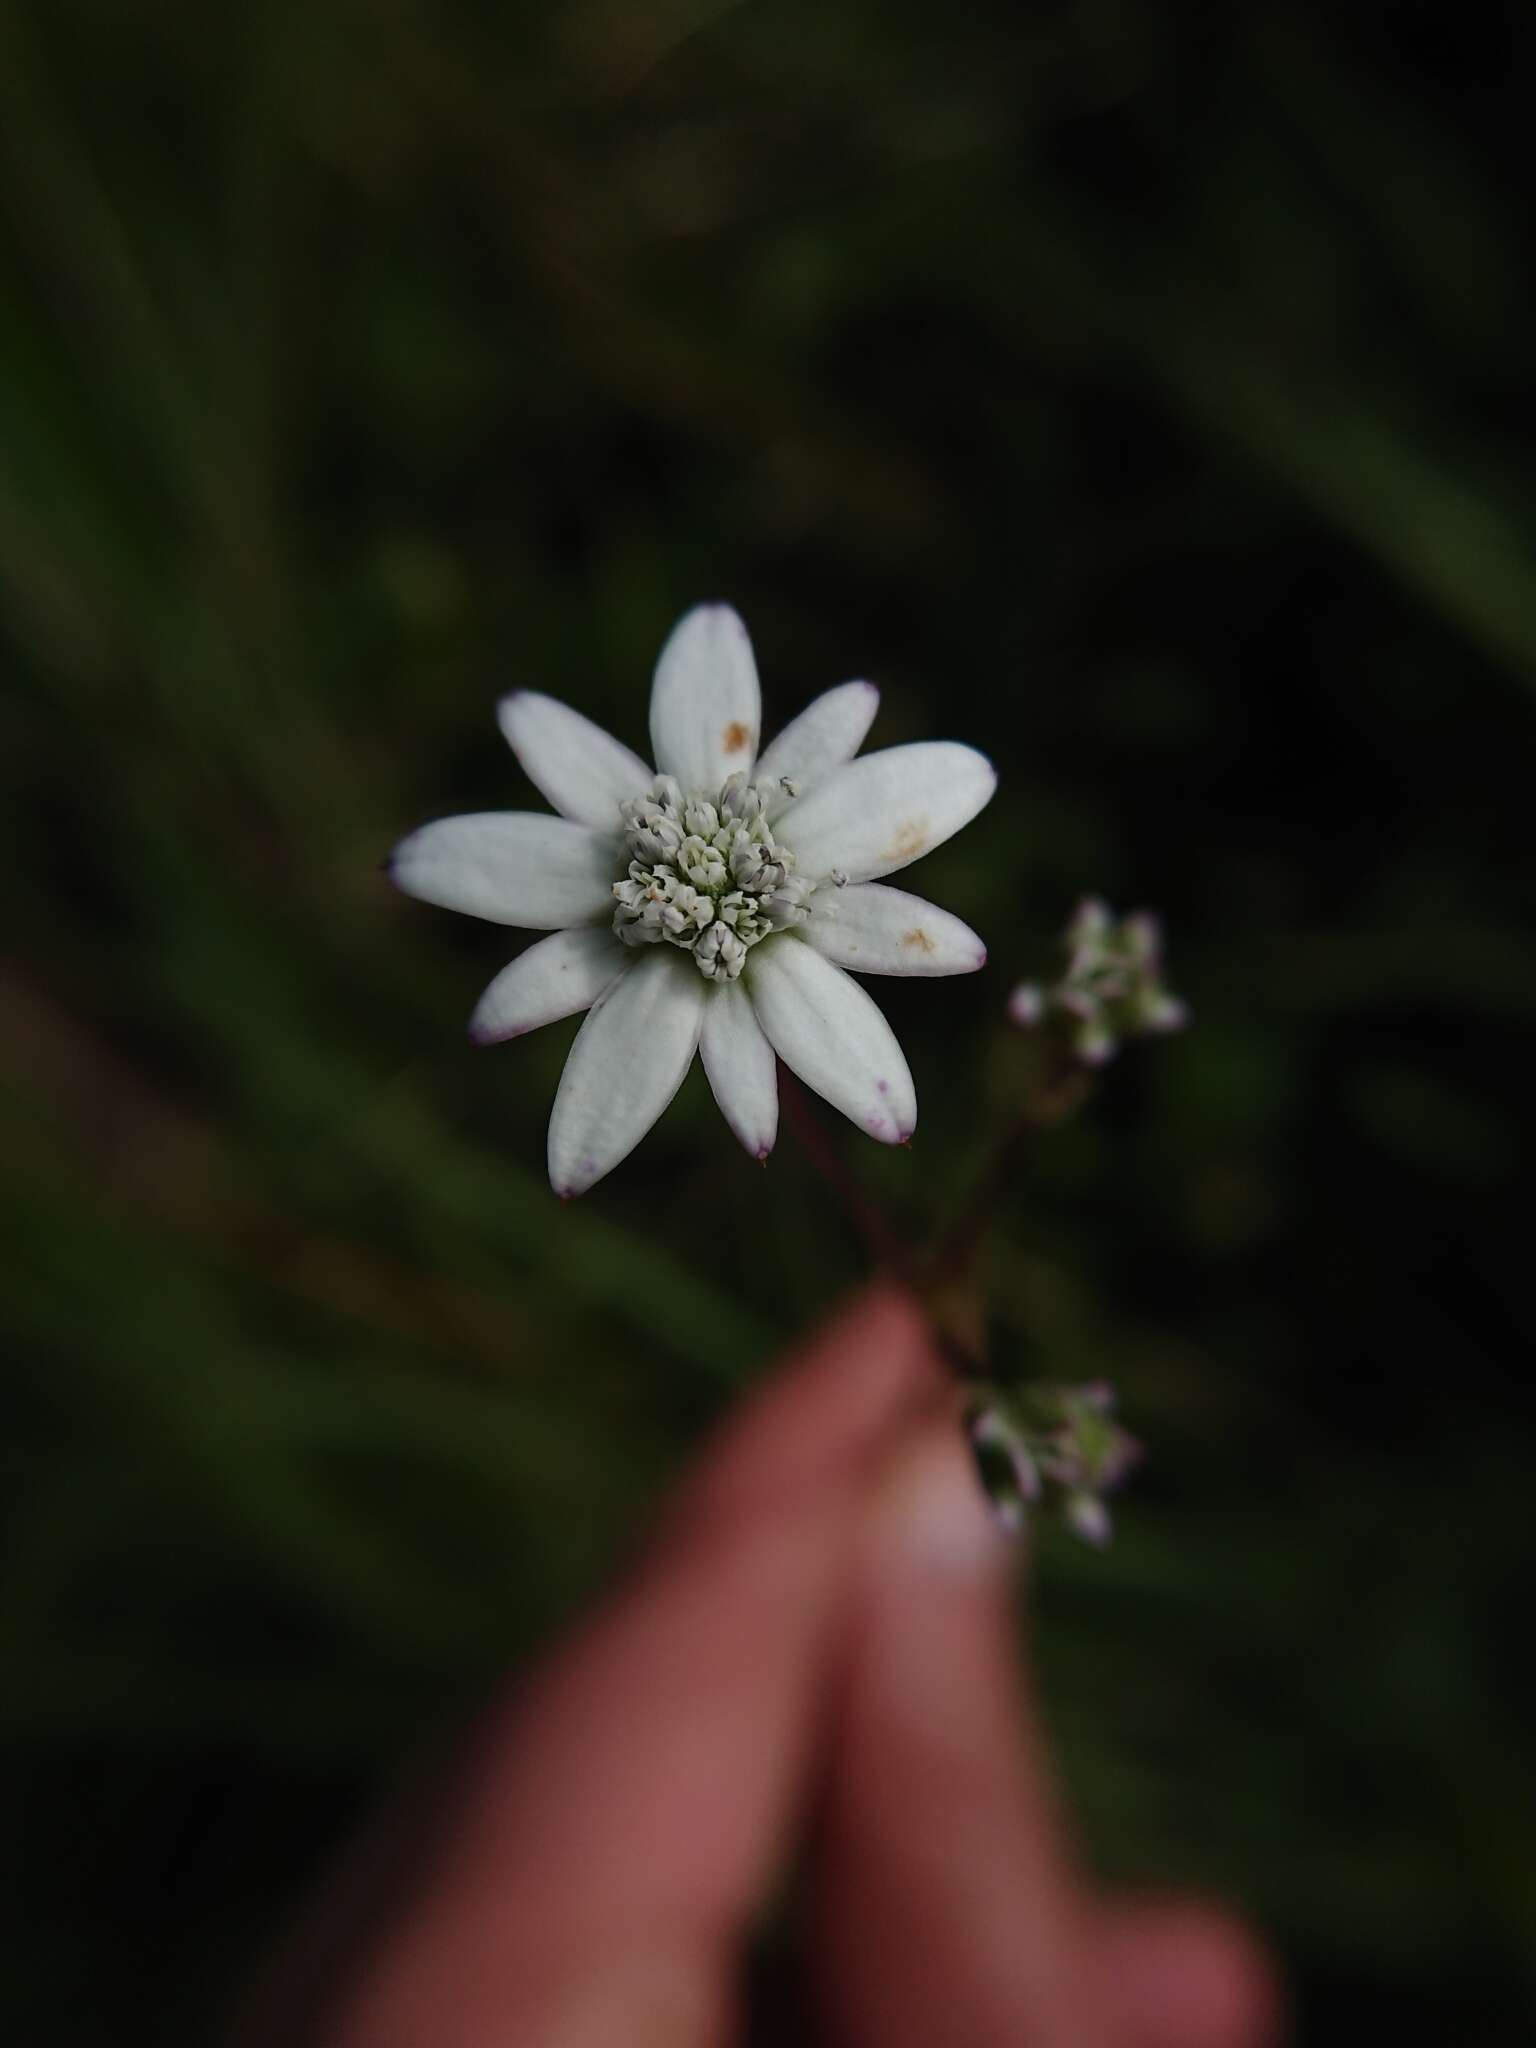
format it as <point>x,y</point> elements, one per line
<point>706,875</point>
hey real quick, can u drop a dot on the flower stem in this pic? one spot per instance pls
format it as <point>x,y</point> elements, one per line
<point>1060,1091</point>
<point>874,1232</point>
<point>956,1251</point>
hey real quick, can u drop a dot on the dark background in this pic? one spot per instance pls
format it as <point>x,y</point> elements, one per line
<point>1137,393</point>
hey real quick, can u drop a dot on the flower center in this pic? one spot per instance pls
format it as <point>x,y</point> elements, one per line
<point>705,873</point>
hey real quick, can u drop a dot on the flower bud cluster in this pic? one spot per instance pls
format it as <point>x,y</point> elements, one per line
<point>705,874</point>
<point>1053,1445</point>
<point>1112,988</point>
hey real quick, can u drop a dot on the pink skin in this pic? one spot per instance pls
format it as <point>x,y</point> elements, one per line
<point>821,1627</point>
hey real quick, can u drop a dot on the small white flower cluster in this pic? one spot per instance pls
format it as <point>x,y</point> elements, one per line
<point>1112,988</point>
<point>1061,1443</point>
<point>706,876</point>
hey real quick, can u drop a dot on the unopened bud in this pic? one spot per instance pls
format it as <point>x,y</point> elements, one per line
<point>1026,1006</point>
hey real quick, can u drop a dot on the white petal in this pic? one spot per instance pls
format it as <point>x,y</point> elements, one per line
<point>513,867</point>
<point>876,814</point>
<point>584,772</point>
<point>828,732</point>
<point>555,978</point>
<point>739,1063</point>
<point>626,1065</point>
<point>706,709</point>
<point>828,1031</point>
<point>875,930</point>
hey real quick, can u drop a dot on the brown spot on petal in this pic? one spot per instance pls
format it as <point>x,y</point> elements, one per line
<point>918,939</point>
<point>909,842</point>
<point>735,737</point>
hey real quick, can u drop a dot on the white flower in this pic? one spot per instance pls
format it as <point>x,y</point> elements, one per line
<point>712,907</point>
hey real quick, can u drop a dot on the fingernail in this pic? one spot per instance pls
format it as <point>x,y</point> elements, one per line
<point>936,1512</point>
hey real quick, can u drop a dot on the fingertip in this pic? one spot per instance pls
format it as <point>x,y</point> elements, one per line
<point>930,1513</point>
<point>882,1312</point>
<point>948,1905</point>
<point>824,1414</point>
<point>873,1358</point>
<point>1179,1974</point>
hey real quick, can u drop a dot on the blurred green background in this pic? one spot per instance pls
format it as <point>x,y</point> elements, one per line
<point>1136,393</point>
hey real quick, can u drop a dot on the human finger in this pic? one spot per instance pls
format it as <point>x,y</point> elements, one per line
<point>816,1419</point>
<point>1176,1974</point>
<point>947,1905</point>
<point>627,1815</point>
<point>603,1853</point>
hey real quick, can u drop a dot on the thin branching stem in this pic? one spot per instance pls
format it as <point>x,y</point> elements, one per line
<point>875,1234</point>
